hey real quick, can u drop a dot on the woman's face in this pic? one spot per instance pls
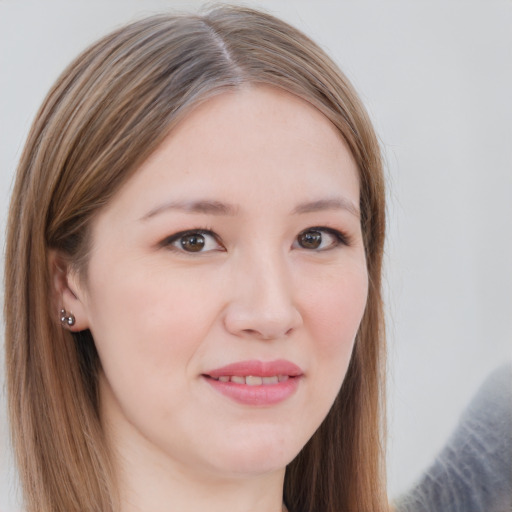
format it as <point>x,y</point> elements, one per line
<point>225,286</point>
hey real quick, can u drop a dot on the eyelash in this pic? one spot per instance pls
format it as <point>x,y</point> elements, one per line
<point>175,242</point>
<point>172,241</point>
<point>339,237</point>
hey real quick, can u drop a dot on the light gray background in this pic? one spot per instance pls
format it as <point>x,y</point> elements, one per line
<point>437,79</point>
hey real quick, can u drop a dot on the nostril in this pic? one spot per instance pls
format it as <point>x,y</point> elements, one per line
<point>252,332</point>
<point>258,334</point>
<point>264,335</point>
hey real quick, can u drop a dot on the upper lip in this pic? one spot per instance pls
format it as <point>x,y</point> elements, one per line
<point>257,369</point>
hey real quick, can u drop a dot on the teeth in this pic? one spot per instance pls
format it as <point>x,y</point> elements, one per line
<point>252,380</point>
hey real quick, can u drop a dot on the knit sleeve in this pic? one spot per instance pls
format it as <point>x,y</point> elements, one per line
<point>473,472</point>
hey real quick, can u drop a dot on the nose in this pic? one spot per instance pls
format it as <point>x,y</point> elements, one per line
<point>262,301</point>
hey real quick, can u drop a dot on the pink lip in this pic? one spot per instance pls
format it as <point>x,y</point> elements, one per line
<point>268,394</point>
<point>258,369</point>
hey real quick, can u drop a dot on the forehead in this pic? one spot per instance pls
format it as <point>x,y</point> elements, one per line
<point>257,142</point>
<point>259,117</point>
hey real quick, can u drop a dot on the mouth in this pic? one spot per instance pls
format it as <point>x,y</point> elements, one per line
<point>252,380</point>
<point>256,382</point>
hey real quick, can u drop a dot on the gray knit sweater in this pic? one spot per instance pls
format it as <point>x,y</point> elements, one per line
<point>473,472</point>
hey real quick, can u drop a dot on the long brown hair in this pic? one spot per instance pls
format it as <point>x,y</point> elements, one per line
<point>105,115</point>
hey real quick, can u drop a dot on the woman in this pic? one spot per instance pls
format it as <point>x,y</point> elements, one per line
<point>194,265</point>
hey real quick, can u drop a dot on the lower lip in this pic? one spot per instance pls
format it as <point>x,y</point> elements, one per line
<point>256,395</point>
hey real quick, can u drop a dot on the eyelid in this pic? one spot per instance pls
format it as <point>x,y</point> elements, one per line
<point>342,237</point>
<point>170,241</point>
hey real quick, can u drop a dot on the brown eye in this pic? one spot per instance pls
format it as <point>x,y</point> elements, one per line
<point>194,242</point>
<point>320,239</point>
<point>310,239</point>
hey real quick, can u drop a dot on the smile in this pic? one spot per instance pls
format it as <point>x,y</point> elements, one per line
<point>256,383</point>
<point>253,380</point>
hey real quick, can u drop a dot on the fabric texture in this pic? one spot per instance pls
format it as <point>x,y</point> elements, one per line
<point>473,472</point>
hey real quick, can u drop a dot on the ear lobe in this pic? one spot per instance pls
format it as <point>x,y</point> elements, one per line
<point>68,293</point>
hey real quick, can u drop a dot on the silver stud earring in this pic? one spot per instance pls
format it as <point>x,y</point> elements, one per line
<point>67,319</point>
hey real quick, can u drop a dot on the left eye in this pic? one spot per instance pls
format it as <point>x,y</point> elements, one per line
<point>194,241</point>
<point>320,239</point>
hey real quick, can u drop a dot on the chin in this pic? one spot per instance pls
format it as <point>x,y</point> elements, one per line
<point>246,465</point>
<point>259,453</point>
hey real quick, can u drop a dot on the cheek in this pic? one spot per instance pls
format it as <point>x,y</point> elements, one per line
<point>333,319</point>
<point>333,310</point>
<point>336,307</point>
<point>149,327</point>
<point>145,318</point>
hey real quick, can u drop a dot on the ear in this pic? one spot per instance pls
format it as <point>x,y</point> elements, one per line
<point>68,292</point>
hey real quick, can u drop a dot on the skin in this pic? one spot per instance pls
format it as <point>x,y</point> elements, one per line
<point>162,317</point>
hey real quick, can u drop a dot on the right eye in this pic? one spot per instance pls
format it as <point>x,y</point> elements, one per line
<point>193,241</point>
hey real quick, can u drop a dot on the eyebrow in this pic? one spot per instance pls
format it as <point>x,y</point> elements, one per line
<point>211,207</point>
<point>201,206</point>
<point>332,203</point>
